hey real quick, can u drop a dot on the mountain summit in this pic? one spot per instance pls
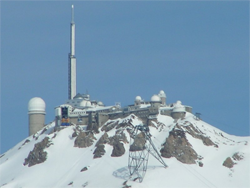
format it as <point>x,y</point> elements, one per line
<point>196,153</point>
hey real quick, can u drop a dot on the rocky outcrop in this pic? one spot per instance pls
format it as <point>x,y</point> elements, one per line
<point>103,140</point>
<point>109,126</point>
<point>228,163</point>
<point>99,151</point>
<point>84,139</point>
<point>237,156</point>
<point>231,161</point>
<point>118,149</point>
<point>38,155</point>
<point>139,143</point>
<point>177,145</point>
<point>84,169</point>
<point>196,133</point>
<point>115,141</point>
<point>119,136</point>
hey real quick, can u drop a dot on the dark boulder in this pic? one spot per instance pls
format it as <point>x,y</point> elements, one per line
<point>118,149</point>
<point>99,151</point>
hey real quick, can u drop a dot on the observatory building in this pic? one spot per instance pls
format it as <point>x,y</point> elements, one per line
<point>36,112</point>
<point>81,110</point>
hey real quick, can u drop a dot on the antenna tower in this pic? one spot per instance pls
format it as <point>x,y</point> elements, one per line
<point>140,147</point>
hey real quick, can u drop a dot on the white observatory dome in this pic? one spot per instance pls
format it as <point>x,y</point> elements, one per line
<point>179,107</point>
<point>36,104</point>
<point>162,94</point>
<point>100,103</point>
<point>155,98</point>
<point>137,98</point>
<point>83,103</point>
<point>88,103</point>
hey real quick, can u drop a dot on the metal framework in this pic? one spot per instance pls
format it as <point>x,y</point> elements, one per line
<point>140,147</point>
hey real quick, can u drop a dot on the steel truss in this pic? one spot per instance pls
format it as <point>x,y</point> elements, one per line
<point>140,147</point>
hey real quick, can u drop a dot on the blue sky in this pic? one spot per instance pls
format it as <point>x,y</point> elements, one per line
<point>197,52</point>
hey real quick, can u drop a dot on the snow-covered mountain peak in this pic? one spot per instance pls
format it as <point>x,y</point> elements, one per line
<point>198,153</point>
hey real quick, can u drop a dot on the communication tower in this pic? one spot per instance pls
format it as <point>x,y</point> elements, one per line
<point>140,147</point>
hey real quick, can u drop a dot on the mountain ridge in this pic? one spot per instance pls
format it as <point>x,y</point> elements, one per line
<point>66,164</point>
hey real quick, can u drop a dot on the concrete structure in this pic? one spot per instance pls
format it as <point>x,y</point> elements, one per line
<point>36,111</point>
<point>72,60</point>
<point>179,111</point>
<point>84,111</point>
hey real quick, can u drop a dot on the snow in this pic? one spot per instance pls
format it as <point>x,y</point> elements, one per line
<point>64,161</point>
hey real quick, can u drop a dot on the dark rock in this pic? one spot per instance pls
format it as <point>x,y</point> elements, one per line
<point>196,133</point>
<point>84,139</point>
<point>70,183</point>
<point>200,164</point>
<point>84,169</point>
<point>119,136</point>
<point>25,142</point>
<point>43,131</point>
<point>99,151</point>
<point>118,149</point>
<point>37,155</point>
<point>139,142</point>
<point>177,146</point>
<point>103,140</point>
<point>228,163</point>
<point>74,135</point>
<point>237,156</point>
<point>109,126</point>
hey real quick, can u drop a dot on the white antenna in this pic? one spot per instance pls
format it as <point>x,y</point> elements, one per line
<point>72,14</point>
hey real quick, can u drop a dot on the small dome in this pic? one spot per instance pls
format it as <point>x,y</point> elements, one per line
<point>162,94</point>
<point>83,103</point>
<point>137,98</point>
<point>88,103</point>
<point>36,104</point>
<point>155,98</point>
<point>179,107</point>
<point>100,103</point>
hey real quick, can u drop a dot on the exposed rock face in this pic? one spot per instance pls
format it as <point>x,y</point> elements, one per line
<point>237,156</point>
<point>37,155</point>
<point>84,169</point>
<point>139,142</point>
<point>231,161</point>
<point>103,140</point>
<point>197,134</point>
<point>84,139</point>
<point>109,126</point>
<point>177,146</point>
<point>119,136</point>
<point>118,149</point>
<point>228,163</point>
<point>99,151</point>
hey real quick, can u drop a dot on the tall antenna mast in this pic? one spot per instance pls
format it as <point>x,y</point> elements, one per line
<point>72,14</point>
<point>72,59</point>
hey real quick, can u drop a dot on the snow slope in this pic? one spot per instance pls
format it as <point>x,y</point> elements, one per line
<point>64,162</point>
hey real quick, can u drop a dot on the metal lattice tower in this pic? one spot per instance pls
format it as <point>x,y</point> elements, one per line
<point>140,147</point>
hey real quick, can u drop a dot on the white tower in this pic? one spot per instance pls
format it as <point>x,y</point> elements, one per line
<point>36,111</point>
<point>72,60</point>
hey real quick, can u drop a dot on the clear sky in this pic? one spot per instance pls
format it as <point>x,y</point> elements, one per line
<point>197,52</point>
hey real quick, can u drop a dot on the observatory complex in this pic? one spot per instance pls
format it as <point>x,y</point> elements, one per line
<point>79,109</point>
